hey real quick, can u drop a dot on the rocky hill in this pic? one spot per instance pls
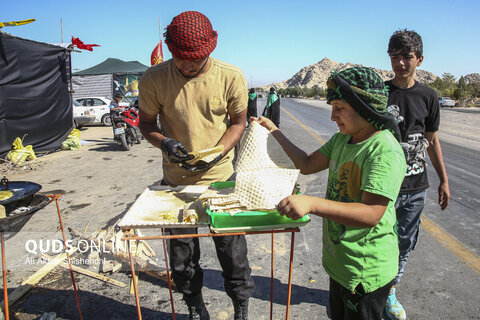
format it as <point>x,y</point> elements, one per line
<point>317,74</point>
<point>472,77</point>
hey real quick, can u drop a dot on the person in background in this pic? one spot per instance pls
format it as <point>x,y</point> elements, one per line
<point>366,166</point>
<point>272,109</point>
<point>419,107</point>
<point>201,103</point>
<point>114,104</point>
<point>252,104</point>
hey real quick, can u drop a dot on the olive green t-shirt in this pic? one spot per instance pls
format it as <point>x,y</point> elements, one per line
<point>195,112</point>
<point>353,255</point>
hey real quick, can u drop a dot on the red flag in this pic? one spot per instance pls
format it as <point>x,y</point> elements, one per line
<point>80,45</point>
<point>157,54</point>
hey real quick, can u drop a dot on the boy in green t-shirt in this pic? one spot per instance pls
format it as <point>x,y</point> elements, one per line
<point>366,168</point>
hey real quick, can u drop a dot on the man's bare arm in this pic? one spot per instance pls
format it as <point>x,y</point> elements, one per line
<point>149,129</point>
<point>234,132</point>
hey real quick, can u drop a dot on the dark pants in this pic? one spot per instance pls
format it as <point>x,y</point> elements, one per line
<point>409,208</point>
<point>231,253</point>
<point>345,305</point>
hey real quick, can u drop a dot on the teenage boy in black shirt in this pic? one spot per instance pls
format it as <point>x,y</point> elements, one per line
<point>420,110</point>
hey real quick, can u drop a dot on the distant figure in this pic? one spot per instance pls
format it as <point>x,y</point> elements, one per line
<point>114,104</point>
<point>252,104</point>
<point>272,109</point>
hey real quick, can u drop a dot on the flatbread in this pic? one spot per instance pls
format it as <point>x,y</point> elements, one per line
<point>212,193</point>
<point>5,194</point>
<point>191,211</point>
<point>260,150</point>
<point>206,155</point>
<point>264,189</point>
<point>264,172</point>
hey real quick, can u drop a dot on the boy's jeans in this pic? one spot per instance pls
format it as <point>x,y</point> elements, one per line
<point>409,207</point>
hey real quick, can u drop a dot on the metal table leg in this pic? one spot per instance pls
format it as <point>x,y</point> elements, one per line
<point>5,291</point>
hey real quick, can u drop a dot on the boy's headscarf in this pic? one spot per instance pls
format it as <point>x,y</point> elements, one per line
<point>366,92</point>
<point>190,36</point>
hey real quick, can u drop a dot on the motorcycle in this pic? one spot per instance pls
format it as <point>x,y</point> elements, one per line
<point>125,128</point>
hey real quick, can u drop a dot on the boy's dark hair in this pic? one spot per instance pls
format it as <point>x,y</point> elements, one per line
<point>406,41</point>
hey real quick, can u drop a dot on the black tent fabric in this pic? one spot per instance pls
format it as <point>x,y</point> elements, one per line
<point>35,102</point>
<point>114,66</point>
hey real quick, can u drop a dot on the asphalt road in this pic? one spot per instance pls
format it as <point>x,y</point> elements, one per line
<point>449,243</point>
<point>462,218</point>
<point>100,182</point>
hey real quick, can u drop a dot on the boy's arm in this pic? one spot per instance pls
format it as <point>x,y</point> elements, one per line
<point>435,153</point>
<point>356,214</point>
<point>307,163</point>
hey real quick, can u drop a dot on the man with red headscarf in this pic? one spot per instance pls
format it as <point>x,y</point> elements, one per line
<point>201,103</point>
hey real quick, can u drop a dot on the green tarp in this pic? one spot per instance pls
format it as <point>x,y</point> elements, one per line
<point>113,66</point>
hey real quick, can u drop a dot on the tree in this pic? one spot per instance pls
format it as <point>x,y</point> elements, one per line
<point>445,85</point>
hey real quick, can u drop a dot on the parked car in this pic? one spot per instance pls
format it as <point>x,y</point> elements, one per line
<point>82,115</point>
<point>101,107</point>
<point>446,102</point>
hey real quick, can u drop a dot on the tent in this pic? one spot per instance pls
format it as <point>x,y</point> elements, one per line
<point>35,102</point>
<point>108,78</point>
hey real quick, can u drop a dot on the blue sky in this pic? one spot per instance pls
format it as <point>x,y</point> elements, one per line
<point>269,40</point>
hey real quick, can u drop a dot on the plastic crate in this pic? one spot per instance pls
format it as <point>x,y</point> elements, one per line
<point>250,220</point>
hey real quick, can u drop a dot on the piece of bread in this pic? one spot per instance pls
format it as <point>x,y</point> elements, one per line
<point>206,155</point>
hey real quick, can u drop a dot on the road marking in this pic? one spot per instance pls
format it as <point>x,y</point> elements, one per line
<point>451,244</point>
<point>304,127</point>
<point>445,239</point>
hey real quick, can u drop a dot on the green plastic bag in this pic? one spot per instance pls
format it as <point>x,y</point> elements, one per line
<point>73,141</point>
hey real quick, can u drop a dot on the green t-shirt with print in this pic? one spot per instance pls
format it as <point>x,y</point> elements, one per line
<point>353,255</point>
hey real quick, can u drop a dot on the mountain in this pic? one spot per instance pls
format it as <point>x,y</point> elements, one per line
<point>317,74</point>
<point>472,77</point>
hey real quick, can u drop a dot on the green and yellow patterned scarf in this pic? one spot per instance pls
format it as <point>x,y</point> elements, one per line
<point>366,92</point>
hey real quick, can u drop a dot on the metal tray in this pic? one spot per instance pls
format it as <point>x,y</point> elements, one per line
<point>20,190</point>
<point>155,201</point>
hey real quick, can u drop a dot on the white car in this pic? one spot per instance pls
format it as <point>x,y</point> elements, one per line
<point>446,102</point>
<point>82,115</point>
<point>101,107</point>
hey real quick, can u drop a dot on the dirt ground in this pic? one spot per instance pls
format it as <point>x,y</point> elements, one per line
<point>98,183</point>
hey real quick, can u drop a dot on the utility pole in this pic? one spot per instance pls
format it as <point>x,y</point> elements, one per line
<point>61,29</point>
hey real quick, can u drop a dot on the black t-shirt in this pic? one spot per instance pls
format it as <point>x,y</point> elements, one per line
<point>421,113</point>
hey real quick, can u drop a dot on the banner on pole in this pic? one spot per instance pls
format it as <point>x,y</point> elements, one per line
<point>157,54</point>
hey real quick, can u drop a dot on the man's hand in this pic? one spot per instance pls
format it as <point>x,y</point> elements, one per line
<point>175,150</point>
<point>201,165</point>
